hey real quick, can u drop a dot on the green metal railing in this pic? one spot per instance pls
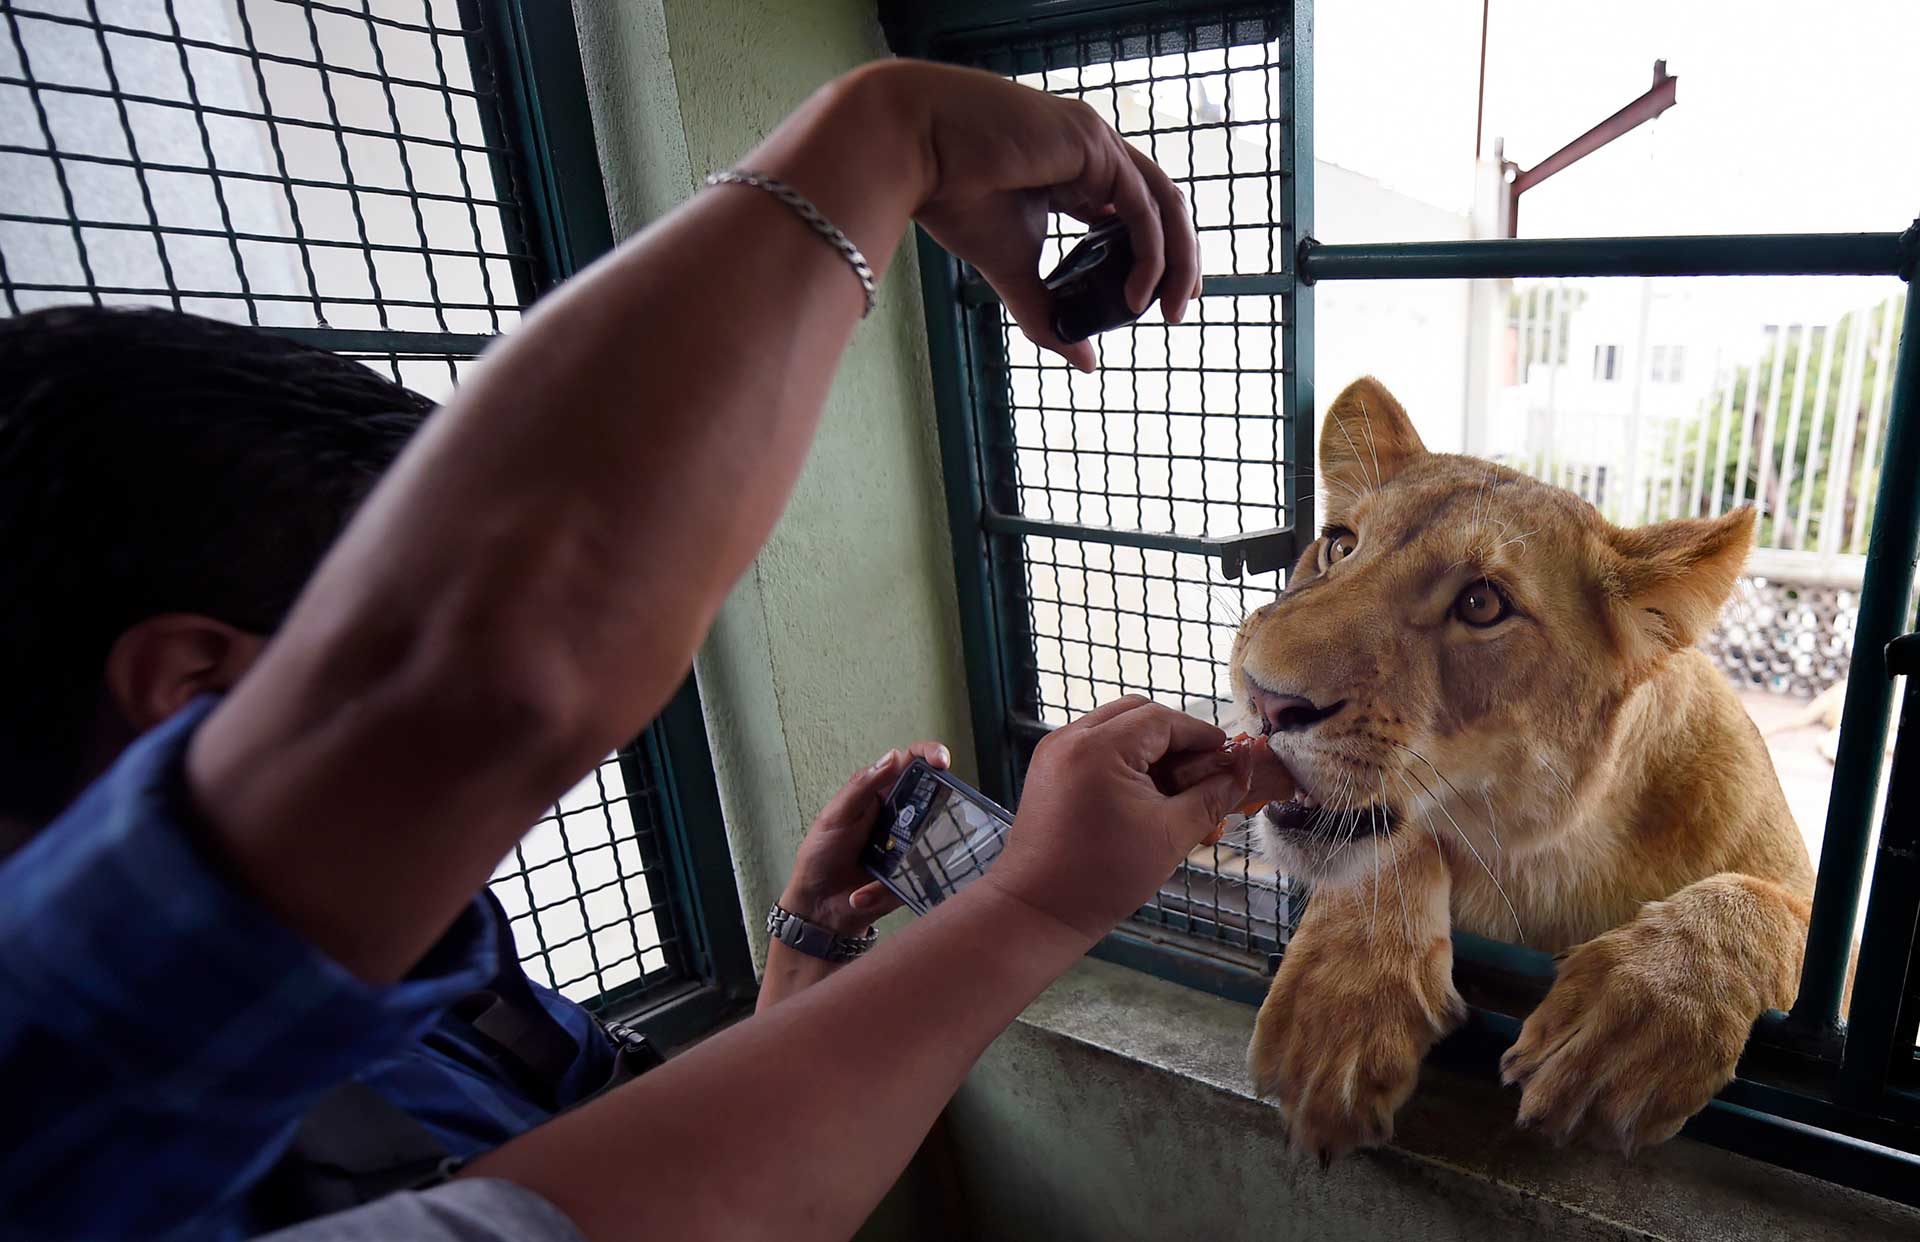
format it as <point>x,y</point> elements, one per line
<point>1775,254</point>
<point>409,244</point>
<point>1839,1101</point>
<point>1882,1021</point>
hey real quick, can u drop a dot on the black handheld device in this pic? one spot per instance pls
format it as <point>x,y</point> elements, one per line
<point>1090,286</point>
<point>937,834</point>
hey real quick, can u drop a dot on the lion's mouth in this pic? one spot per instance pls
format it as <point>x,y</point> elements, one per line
<point>1304,815</point>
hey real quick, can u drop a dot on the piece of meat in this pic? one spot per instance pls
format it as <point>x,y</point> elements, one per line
<point>1270,780</point>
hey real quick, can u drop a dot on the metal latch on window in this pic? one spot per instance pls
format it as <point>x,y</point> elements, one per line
<point>1255,552</point>
<point>1903,656</point>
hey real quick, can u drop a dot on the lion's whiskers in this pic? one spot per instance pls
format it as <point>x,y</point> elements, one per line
<point>1488,799</point>
<point>1236,617</point>
<point>1426,816</point>
<point>1452,787</point>
<point>1520,539</point>
<point>1372,481</point>
<point>1572,800</point>
<point>1467,841</point>
<point>1373,920</point>
<point>1399,882</point>
<point>1366,425</point>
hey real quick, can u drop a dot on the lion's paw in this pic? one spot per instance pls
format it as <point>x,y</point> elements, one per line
<point>1338,1045</point>
<point>1625,1047</point>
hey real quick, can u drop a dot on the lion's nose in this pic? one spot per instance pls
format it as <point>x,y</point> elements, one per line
<point>1289,713</point>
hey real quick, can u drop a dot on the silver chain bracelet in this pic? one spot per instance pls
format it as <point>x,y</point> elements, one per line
<point>811,214</point>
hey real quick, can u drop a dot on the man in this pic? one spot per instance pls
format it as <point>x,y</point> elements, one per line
<point>195,472</point>
<point>296,838</point>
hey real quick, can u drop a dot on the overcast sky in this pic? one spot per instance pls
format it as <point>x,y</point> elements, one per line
<point>1785,121</point>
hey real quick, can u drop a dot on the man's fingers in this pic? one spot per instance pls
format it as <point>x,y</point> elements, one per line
<point>1181,281</point>
<point>1149,734</point>
<point>1200,809</point>
<point>1105,712</point>
<point>877,778</point>
<point>1083,212</point>
<point>864,789</point>
<point>934,753</point>
<point>857,801</point>
<point>1180,770</point>
<point>873,901</point>
<point>1134,202</point>
<point>1031,305</point>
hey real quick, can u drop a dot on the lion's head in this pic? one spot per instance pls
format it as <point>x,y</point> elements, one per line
<point>1460,635</point>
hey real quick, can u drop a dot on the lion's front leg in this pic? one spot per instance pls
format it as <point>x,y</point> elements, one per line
<point>1645,1023</point>
<point>1365,989</point>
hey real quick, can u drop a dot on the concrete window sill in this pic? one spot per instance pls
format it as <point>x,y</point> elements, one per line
<point>1118,1107</point>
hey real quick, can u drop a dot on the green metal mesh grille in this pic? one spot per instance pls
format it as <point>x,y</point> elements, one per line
<point>587,892</point>
<point>1181,432</point>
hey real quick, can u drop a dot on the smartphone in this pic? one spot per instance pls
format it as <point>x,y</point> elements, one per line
<point>1090,286</point>
<point>937,834</point>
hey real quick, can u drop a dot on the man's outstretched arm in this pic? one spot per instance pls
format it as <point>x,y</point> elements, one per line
<point>792,1125</point>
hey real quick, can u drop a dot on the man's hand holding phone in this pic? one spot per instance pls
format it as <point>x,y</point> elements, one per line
<point>829,887</point>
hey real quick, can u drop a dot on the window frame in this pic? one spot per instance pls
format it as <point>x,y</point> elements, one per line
<point>1811,1094</point>
<point>534,49</point>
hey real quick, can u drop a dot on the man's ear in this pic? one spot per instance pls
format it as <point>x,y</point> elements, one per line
<point>1365,439</point>
<point>161,664</point>
<point>1667,582</point>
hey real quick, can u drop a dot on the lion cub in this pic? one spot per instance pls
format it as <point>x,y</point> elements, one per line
<point>1493,704</point>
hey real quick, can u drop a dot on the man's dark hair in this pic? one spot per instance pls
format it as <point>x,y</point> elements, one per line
<point>155,462</point>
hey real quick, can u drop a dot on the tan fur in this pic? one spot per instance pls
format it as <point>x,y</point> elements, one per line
<point>1577,777</point>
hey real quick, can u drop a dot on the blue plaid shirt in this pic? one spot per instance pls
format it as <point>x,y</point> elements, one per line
<point>161,1035</point>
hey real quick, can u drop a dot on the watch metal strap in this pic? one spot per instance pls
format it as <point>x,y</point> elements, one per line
<point>814,940</point>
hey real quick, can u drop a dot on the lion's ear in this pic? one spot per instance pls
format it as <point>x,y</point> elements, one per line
<point>1365,439</point>
<point>1669,581</point>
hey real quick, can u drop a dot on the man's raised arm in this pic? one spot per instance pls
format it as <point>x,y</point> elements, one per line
<point>529,584</point>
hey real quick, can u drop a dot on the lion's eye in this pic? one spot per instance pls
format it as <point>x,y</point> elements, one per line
<point>1481,605</point>
<point>1337,545</point>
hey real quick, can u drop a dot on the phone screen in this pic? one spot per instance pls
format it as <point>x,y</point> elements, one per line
<point>936,836</point>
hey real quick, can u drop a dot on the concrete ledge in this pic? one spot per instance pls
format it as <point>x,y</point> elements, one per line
<point>1118,1107</point>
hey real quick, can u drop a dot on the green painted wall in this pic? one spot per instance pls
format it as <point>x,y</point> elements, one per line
<point>842,641</point>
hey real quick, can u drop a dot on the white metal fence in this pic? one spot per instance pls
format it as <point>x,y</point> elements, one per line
<point>1655,404</point>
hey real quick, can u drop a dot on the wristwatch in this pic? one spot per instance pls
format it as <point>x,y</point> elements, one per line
<point>814,940</point>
